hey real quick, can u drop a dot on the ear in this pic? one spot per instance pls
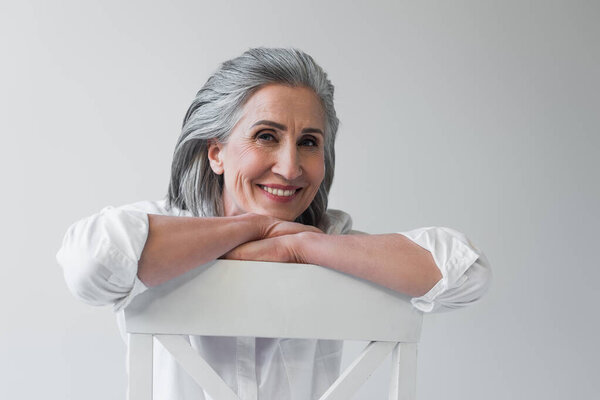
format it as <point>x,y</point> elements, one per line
<point>215,156</point>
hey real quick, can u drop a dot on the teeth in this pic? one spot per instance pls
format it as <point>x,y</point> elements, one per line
<point>278,192</point>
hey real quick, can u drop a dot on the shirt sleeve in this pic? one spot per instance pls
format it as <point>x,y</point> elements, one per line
<point>99,254</point>
<point>466,272</point>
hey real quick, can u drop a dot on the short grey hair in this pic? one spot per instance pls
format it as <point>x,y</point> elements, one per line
<point>218,107</point>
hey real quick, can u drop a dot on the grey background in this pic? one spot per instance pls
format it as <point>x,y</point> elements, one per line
<point>481,116</point>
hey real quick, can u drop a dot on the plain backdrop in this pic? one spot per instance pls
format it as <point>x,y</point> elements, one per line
<point>479,115</point>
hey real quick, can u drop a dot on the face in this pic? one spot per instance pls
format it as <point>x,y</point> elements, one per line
<point>273,161</point>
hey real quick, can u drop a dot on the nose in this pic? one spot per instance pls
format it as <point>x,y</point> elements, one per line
<point>287,163</point>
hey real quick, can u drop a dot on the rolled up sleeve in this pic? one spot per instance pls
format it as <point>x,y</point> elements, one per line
<point>99,256</point>
<point>466,272</point>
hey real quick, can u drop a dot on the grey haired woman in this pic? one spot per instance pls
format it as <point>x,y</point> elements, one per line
<point>250,177</point>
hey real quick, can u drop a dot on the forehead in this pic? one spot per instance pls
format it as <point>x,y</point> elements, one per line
<point>283,104</point>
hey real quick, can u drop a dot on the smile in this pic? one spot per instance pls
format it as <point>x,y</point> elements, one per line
<point>281,193</point>
<point>278,192</point>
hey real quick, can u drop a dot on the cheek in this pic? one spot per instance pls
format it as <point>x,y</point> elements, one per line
<point>321,166</point>
<point>247,164</point>
<point>316,169</point>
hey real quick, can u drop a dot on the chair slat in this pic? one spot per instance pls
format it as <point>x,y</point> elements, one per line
<point>358,371</point>
<point>404,372</point>
<point>197,367</point>
<point>139,363</point>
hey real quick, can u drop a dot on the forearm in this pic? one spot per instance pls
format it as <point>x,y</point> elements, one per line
<point>177,244</point>
<point>390,260</point>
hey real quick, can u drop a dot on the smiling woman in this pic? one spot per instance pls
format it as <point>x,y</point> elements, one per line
<point>250,178</point>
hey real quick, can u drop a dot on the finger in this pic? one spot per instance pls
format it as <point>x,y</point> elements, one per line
<point>247,251</point>
<point>260,250</point>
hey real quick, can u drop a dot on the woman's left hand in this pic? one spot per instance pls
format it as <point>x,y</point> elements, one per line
<point>285,249</point>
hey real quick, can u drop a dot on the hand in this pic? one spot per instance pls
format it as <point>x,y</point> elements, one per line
<point>286,249</point>
<point>273,227</point>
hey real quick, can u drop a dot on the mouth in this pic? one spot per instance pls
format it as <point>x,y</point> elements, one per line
<point>280,192</point>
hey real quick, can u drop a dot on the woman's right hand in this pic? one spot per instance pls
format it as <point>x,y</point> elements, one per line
<point>276,242</point>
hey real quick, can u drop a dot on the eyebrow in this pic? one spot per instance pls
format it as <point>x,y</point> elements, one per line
<point>281,127</point>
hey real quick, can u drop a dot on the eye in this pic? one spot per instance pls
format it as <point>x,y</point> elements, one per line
<point>266,136</point>
<point>309,141</point>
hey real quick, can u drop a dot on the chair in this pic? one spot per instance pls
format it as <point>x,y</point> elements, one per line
<point>262,299</point>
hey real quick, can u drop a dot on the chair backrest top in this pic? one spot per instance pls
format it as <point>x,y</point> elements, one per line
<point>263,299</point>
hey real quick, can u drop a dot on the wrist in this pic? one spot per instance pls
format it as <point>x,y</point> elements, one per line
<point>306,245</point>
<point>255,224</point>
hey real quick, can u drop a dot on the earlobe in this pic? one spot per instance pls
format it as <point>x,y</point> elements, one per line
<point>215,156</point>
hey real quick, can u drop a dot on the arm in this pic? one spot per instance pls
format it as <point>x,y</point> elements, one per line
<point>459,276</point>
<point>390,260</point>
<point>439,267</point>
<point>111,256</point>
<point>177,244</point>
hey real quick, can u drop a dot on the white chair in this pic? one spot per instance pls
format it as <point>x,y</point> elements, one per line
<point>260,299</point>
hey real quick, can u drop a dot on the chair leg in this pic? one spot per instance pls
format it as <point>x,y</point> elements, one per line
<point>139,359</point>
<point>404,372</point>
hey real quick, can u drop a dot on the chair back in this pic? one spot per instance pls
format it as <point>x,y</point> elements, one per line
<point>264,299</point>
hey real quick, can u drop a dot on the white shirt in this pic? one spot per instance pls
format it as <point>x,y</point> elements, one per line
<point>99,256</point>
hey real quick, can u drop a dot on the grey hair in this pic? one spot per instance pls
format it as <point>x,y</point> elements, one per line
<point>218,107</point>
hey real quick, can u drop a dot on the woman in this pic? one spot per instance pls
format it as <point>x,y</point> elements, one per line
<point>250,177</point>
